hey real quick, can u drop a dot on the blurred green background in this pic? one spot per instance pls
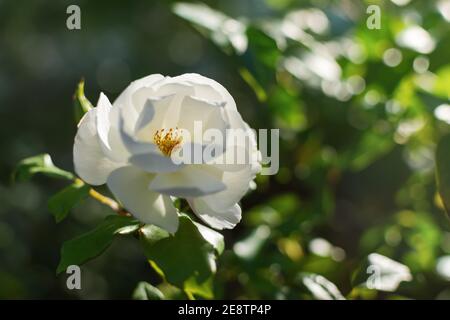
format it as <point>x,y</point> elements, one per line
<point>360,112</point>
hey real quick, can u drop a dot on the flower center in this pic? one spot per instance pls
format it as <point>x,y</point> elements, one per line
<point>167,140</point>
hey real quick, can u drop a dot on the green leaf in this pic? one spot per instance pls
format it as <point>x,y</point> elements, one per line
<point>213,237</point>
<point>319,287</point>
<point>443,171</point>
<point>249,247</point>
<point>371,146</point>
<point>205,289</point>
<point>61,203</point>
<point>89,245</point>
<point>41,163</point>
<point>153,234</point>
<point>145,291</point>
<point>430,100</point>
<point>224,31</point>
<point>292,114</point>
<point>248,77</point>
<point>441,87</point>
<point>259,62</point>
<point>199,14</point>
<point>81,103</point>
<point>185,259</point>
<point>263,50</point>
<point>257,53</point>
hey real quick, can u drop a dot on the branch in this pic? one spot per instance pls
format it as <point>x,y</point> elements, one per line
<point>114,205</point>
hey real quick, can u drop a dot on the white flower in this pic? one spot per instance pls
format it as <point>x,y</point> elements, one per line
<point>131,146</point>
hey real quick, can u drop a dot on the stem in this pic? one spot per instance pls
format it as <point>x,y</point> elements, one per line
<point>189,295</point>
<point>108,201</point>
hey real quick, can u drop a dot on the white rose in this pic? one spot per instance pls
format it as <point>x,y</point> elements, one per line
<point>131,144</point>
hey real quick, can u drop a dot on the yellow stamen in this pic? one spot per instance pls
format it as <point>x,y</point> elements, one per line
<point>167,140</point>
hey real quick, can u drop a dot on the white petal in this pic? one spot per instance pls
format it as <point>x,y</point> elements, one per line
<point>130,186</point>
<point>235,120</point>
<point>171,85</point>
<point>90,162</point>
<point>132,145</point>
<point>199,110</point>
<point>241,148</point>
<point>103,123</point>
<point>191,181</point>
<point>207,92</point>
<point>235,158</point>
<point>224,219</point>
<point>140,97</point>
<point>221,210</point>
<point>125,98</point>
<point>152,117</point>
<point>237,184</point>
<point>146,155</point>
<point>155,162</point>
<point>108,130</point>
<point>205,82</point>
<point>119,152</point>
<point>179,90</point>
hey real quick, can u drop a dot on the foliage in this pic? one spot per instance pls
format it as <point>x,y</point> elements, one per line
<point>145,291</point>
<point>43,164</point>
<point>61,203</point>
<point>194,252</point>
<point>89,245</point>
